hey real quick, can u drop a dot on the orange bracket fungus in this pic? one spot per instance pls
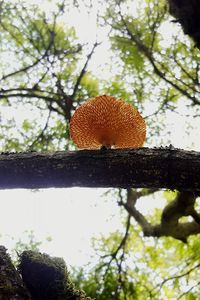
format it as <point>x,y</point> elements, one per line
<point>105,121</point>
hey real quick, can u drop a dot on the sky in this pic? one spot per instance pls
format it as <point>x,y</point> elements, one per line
<point>71,217</point>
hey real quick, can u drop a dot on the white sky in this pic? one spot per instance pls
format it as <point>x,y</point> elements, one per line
<point>71,216</point>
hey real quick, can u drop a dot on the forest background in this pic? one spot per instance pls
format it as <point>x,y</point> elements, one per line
<point>54,59</point>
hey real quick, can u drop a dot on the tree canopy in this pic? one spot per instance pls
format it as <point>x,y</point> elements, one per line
<point>47,72</point>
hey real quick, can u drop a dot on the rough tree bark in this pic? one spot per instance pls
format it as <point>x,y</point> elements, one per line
<point>11,283</point>
<point>38,277</point>
<point>187,13</point>
<point>121,168</point>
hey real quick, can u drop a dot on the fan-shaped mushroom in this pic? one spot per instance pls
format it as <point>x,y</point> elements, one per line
<point>106,121</point>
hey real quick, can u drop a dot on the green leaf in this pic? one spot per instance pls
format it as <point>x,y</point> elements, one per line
<point>26,125</point>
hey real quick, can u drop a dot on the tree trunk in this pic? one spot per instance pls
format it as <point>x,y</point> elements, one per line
<point>151,168</point>
<point>187,13</point>
<point>38,276</point>
<point>11,284</point>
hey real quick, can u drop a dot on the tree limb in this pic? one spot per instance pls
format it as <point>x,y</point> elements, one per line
<point>83,71</point>
<point>125,168</point>
<point>182,205</point>
<point>156,67</point>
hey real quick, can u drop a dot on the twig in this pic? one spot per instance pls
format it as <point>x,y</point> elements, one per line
<point>82,73</point>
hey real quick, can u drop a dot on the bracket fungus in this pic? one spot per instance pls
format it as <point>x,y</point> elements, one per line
<point>105,121</point>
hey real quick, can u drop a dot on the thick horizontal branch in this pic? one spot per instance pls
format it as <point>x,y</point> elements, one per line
<point>143,167</point>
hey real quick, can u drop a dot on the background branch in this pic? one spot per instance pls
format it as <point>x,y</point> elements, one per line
<point>182,205</point>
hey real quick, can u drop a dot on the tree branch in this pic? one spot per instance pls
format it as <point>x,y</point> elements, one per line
<point>31,94</point>
<point>183,205</point>
<point>83,71</point>
<point>180,275</point>
<point>158,68</point>
<point>143,167</point>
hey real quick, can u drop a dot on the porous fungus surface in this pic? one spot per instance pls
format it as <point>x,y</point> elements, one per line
<point>106,121</point>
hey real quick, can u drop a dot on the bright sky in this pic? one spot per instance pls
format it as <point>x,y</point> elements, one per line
<point>71,216</point>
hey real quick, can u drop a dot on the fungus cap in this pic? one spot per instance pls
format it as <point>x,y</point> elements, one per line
<point>106,121</point>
